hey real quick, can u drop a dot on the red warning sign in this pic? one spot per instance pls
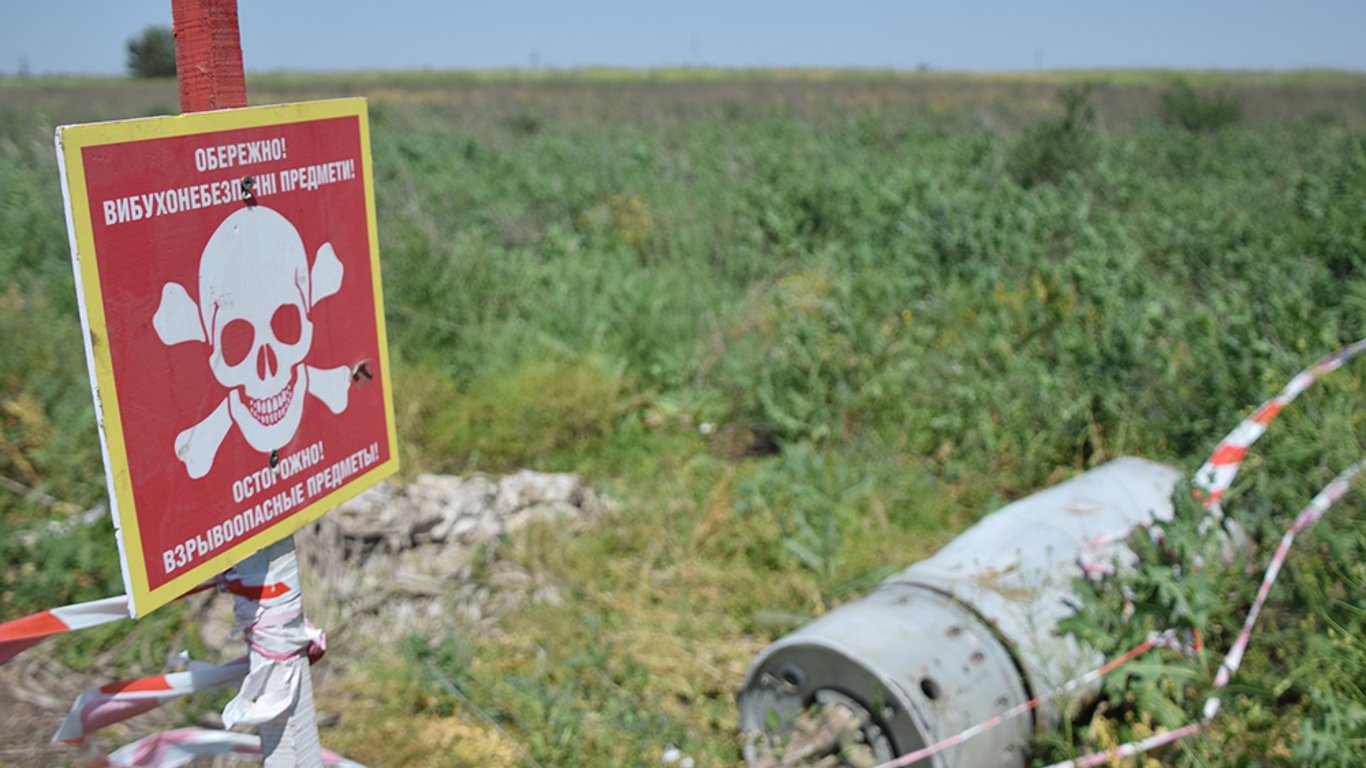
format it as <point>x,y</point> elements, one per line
<point>229,281</point>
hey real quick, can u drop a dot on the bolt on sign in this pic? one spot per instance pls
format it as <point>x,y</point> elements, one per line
<point>228,274</point>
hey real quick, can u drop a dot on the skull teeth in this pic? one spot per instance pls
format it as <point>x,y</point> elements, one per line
<point>270,410</point>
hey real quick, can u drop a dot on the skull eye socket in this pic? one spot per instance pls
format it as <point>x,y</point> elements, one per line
<point>236,342</point>
<point>287,324</point>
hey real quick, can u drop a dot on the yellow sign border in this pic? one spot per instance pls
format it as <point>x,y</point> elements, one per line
<point>71,140</point>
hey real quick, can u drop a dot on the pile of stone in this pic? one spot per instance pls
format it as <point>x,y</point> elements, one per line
<point>400,559</point>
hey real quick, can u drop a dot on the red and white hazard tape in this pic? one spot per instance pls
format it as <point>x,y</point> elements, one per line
<point>1094,560</point>
<point>1131,749</point>
<point>1311,514</point>
<point>1216,475</point>
<point>269,613</point>
<point>1165,639</point>
<point>19,634</point>
<point>115,702</point>
<point>282,640</point>
<point>1213,480</point>
<point>173,749</point>
<point>23,633</point>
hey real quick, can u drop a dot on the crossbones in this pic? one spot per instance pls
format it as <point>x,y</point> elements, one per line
<point>256,296</point>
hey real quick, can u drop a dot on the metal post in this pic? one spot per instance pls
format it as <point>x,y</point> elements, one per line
<point>210,75</point>
<point>277,695</point>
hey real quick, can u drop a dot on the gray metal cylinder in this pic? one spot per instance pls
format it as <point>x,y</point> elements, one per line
<point>965,634</point>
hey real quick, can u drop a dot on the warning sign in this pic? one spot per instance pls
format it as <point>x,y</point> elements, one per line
<point>228,274</point>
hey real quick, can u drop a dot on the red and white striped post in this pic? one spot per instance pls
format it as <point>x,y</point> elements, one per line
<point>209,70</point>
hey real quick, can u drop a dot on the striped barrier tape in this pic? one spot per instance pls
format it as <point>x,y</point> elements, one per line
<point>283,644</point>
<point>19,634</point>
<point>1212,480</point>
<point>1215,476</point>
<point>1166,639</point>
<point>1131,749</point>
<point>115,702</point>
<point>23,633</point>
<point>269,613</point>
<point>1311,514</point>
<point>180,747</point>
<point>1095,560</point>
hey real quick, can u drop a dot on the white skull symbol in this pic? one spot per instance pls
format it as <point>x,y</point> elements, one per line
<point>253,301</point>
<point>256,296</point>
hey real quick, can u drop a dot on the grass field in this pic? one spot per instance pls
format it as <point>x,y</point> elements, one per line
<point>803,327</point>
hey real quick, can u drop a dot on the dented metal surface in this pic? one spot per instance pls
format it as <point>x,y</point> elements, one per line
<point>965,634</point>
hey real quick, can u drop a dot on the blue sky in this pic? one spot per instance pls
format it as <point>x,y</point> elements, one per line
<point>88,36</point>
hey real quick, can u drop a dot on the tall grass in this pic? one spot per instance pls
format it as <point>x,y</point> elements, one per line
<point>801,339</point>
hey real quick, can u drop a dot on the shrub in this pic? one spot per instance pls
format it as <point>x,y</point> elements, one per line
<point>1298,691</point>
<point>1050,150</point>
<point>1184,107</point>
<point>152,53</point>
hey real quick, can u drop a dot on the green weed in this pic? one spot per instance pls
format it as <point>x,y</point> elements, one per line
<point>1298,692</point>
<point>1049,151</point>
<point>803,329</point>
